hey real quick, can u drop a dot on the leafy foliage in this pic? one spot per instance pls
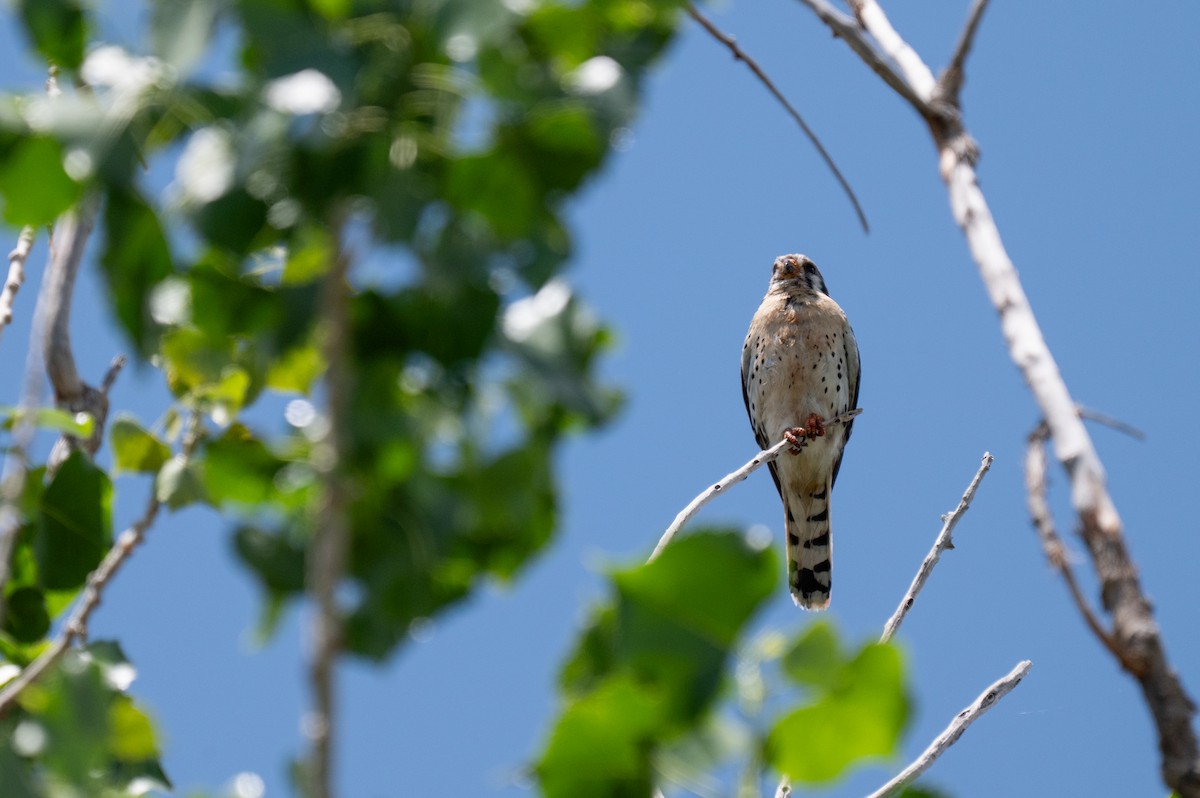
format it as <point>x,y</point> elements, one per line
<point>434,144</point>
<point>646,696</point>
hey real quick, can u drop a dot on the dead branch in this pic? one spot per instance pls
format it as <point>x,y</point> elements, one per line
<point>986,700</point>
<point>940,544</point>
<point>756,462</point>
<point>67,243</point>
<point>1134,630</point>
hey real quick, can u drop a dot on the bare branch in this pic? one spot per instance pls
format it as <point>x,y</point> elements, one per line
<point>16,275</point>
<point>942,543</point>
<point>950,736</point>
<point>1134,630</point>
<point>872,19</point>
<point>76,626</point>
<point>759,460</point>
<point>951,80</point>
<point>845,28</point>
<point>327,558</point>
<point>740,55</point>
<point>1056,551</point>
<point>67,243</point>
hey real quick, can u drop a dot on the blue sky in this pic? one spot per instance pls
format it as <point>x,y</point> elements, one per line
<point>1088,118</point>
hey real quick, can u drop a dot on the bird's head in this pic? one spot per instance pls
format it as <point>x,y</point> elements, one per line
<point>793,271</point>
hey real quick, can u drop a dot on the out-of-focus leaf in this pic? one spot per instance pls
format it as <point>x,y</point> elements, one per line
<point>33,182</point>
<point>235,221</point>
<point>57,28</point>
<point>177,484</point>
<point>130,732</point>
<point>80,425</point>
<point>858,719</point>
<point>134,447</point>
<point>926,792</point>
<point>598,747</point>
<point>180,30</point>
<point>237,468</point>
<point>647,669</point>
<point>136,258</point>
<point>498,188</point>
<point>277,561</point>
<point>296,370</point>
<point>816,658</point>
<point>26,618</point>
<point>76,523</point>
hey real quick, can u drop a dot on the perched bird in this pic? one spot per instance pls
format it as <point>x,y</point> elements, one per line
<point>800,369</point>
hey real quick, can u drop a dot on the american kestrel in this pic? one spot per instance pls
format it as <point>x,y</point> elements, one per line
<point>800,369</point>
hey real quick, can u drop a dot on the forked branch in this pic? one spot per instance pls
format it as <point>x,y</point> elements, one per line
<point>1135,633</point>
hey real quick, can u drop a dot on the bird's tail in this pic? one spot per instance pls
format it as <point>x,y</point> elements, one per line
<point>809,548</point>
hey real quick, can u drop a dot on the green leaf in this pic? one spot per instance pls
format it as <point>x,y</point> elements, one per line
<point>277,560</point>
<point>58,30</point>
<point>497,187</point>
<point>81,425</point>
<point>238,468</point>
<point>597,747</point>
<point>678,584</point>
<point>180,31</point>
<point>76,523</point>
<point>178,484</point>
<point>34,184</point>
<point>135,448</point>
<point>815,659</point>
<point>136,258</point>
<point>26,618</point>
<point>860,718</point>
<point>296,370</point>
<point>130,732</point>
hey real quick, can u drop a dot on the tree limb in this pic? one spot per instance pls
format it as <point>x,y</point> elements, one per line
<point>940,544</point>
<point>330,545</point>
<point>759,460</point>
<point>1056,552</point>
<point>986,700</point>
<point>1134,629</point>
<point>741,55</point>
<point>67,243</point>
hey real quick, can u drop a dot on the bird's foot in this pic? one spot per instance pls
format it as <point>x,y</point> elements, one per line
<point>798,437</point>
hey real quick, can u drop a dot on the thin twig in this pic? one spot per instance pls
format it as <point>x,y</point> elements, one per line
<point>76,626</point>
<point>1134,629</point>
<point>759,460</point>
<point>1108,421</point>
<point>951,80</point>
<point>16,465</point>
<point>947,738</point>
<point>16,275</point>
<point>327,559</point>
<point>741,55</point>
<point>942,543</point>
<point>1056,551</point>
